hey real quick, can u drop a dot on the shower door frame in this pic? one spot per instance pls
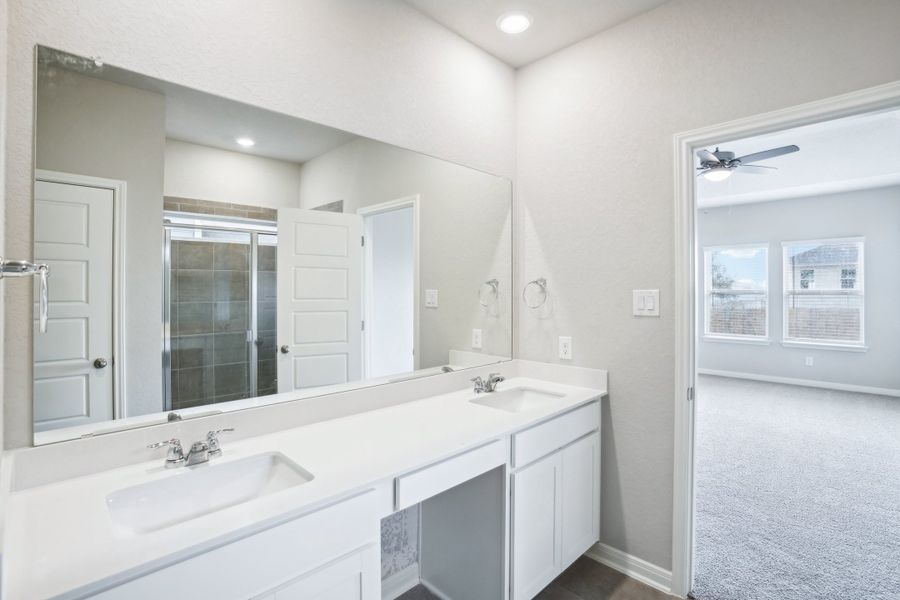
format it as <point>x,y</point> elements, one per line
<point>256,227</point>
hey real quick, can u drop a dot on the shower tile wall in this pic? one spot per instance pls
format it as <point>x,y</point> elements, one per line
<point>267,342</point>
<point>210,316</point>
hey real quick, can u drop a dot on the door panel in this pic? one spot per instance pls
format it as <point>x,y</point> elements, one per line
<point>73,233</point>
<point>580,497</point>
<point>319,298</point>
<point>355,577</point>
<point>536,535</point>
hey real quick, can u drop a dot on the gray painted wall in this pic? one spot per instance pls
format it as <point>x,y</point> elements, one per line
<point>594,188</point>
<point>92,127</point>
<point>873,214</point>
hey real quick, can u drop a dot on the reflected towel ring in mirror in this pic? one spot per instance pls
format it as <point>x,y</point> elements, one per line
<point>489,292</point>
<point>534,294</point>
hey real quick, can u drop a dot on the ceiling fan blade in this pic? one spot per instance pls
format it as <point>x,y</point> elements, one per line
<point>767,154</point>
<point>756,169</point>
<point>706,156</point>
<point>699,173</point>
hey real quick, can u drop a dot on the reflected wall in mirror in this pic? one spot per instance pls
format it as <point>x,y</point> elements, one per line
<point>209,255</point>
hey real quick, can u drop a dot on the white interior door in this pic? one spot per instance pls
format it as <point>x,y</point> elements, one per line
<point>73,233</point>
<point>319,298</point>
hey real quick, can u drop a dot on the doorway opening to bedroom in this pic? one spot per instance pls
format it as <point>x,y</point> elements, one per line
<point>797,338</point>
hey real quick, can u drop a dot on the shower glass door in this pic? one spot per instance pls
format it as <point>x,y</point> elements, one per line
<point>219,320</point>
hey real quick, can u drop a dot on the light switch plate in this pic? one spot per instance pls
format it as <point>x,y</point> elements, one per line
<point>431,298</point>
<point>476,339</point>
<point>645,303</point>
<point>565,347</point>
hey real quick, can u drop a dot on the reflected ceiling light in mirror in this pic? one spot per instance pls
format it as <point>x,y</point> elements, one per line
<point>717,174</point>
<point>514,22</point>
<point>245,142</point>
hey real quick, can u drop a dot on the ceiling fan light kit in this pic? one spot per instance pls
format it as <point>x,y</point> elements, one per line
<point>720,164</point>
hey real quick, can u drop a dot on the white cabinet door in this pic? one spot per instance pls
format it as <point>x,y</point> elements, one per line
<point>580,497</point>
<point>536,534</point>
<point>319,298</point>
<point>355,577</point>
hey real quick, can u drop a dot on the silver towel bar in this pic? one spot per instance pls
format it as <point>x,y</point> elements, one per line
<point>24,268</point>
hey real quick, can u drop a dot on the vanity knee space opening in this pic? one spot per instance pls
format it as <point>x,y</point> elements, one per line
<point>452,543</point>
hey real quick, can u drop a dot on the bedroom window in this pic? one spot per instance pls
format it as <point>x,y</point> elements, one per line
<point>736,292</point>
<point>823,291</point>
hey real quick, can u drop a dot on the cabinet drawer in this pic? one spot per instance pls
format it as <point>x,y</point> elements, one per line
<point>260,562</point>
<point>425,483</point>
<point>541,440</point>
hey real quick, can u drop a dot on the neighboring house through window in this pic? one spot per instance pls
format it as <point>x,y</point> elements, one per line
<point>823,291</point>
<point>807,279</point>
<point>736,292</point>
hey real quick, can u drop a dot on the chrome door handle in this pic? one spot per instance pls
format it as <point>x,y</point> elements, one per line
<point>100,363</point>
<point>284,349</point>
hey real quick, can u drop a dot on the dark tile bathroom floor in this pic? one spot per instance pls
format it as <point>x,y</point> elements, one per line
<point>586,579</point>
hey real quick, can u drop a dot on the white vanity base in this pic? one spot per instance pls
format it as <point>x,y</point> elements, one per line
<point>507,499</point>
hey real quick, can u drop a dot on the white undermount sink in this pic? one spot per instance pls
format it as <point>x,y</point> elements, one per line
<point>191,492</point>
<point>516,399</point>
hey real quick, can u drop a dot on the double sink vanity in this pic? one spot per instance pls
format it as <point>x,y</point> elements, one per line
<point>507,483</point>
<point>333,412</point>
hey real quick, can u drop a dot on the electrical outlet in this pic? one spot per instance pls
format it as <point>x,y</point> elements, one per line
<point>565,347</point>
<point>431,298</point>
<point>476,339</point>
<point>809,361</point>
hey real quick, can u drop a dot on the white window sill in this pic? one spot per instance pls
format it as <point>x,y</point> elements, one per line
<point>736,340</point>
<point>825,346</point>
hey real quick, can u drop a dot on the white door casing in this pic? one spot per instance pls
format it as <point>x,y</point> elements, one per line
<point>74,234</point>
<point>319,298</point>
<point>883,97</point>
<point>370,313</point>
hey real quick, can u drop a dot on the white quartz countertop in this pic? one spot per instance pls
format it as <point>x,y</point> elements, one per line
<point>59,540</point>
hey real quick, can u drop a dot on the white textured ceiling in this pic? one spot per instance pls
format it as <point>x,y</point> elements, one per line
<point>556,23</point>
<point>853,153</point>
<point>201,118</point>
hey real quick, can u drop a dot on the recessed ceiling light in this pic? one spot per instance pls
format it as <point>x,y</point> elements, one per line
<point>245,142</point>
<point>514,22</point>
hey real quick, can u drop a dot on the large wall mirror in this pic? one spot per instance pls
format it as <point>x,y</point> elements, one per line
<point>206,255</point>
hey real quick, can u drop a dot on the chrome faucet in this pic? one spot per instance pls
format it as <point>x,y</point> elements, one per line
<point>175,454</point>
<point>487,385</point>
<point>199,453</point>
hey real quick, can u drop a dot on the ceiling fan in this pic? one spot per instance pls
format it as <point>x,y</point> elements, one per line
<point>719,165</point>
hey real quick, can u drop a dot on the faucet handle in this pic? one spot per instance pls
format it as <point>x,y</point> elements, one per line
<point>495,377</point>
<point>175,454</point>
<point>212,440</point>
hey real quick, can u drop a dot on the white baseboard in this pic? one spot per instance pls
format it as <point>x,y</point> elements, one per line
<point>400,582</point>
<point>827,385</point>
<point>634,567</point>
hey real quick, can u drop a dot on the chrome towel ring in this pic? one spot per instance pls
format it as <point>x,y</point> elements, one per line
<point>535,293</point>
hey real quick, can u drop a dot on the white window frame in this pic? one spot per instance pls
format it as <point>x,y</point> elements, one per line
<point>707,293</point>
<point>788,291</point>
